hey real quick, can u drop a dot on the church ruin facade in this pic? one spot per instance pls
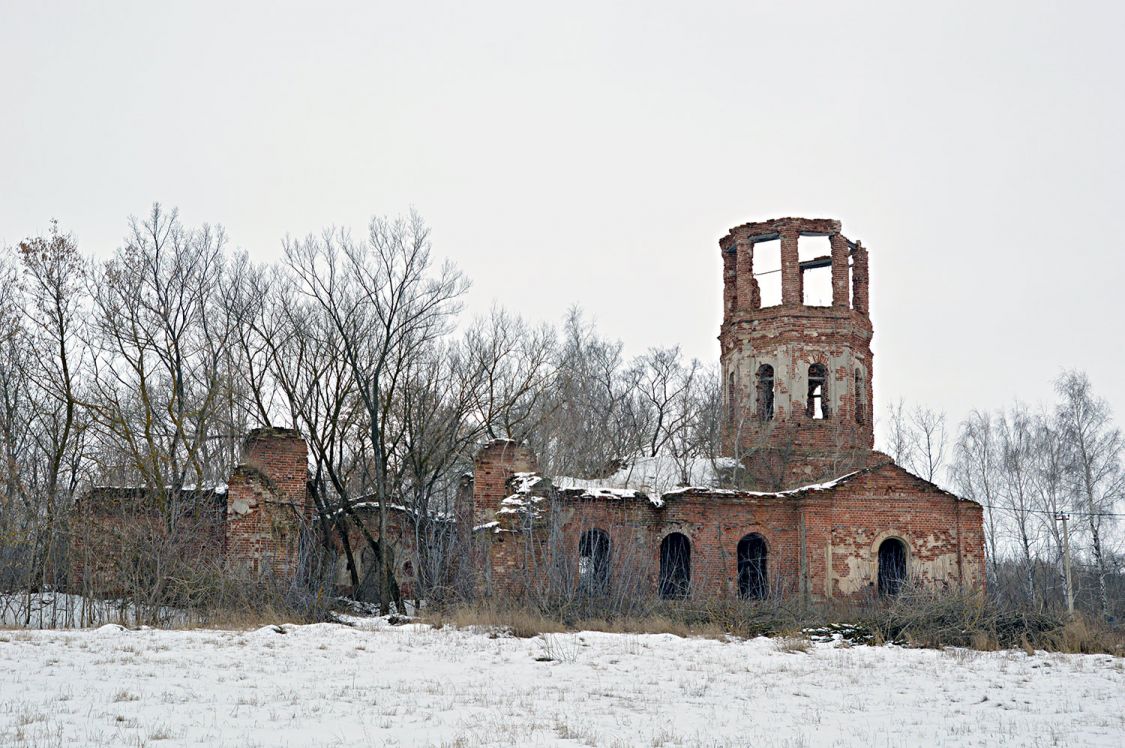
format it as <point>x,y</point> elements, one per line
<point>819,513</point>
<point>814,512</point>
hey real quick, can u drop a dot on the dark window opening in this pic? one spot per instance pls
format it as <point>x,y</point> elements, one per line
<point>817,405</point>
<point>860,398</point>
<point>765,392</point>
<point>892,566</point>
<point>593,562</point>
<point>752,567</point>
<point>675,566</point>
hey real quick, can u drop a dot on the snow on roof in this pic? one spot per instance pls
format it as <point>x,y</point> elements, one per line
<point>632,481</point>
<point>213,488</point>
<point>522,483</point>
<point>649,478</point>
<point>825,486</point>
<point>364,506</point>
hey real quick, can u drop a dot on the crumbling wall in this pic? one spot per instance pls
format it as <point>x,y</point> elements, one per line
<point>791,337</point>
<point>403,547</point>
<point>943,535</point>
<point>820,544</point>
<point>493,466</point>
<point>268,503</point>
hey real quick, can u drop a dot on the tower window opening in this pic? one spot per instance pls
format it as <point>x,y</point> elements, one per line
<point>765,392</point>
<point>767,272</point>
<point>860,397</point>
<point>815,263</point>
<point>816,406</point>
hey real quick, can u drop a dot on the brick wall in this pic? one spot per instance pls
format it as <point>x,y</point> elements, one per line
<point>821,543</point>
<point>404,554</point>
<point>268,504</point>
<point>493,467</point>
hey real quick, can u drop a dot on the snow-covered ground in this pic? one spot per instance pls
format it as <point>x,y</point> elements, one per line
<point>374,684</point>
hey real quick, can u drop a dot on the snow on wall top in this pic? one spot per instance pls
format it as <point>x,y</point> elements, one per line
<point>364,505</point>
<point>656,479</point>
<point>650,478</point>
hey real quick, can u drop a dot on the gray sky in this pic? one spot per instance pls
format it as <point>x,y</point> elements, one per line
<point>592,155</point>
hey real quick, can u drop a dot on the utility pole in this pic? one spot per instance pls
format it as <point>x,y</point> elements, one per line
<point>1064,518</point>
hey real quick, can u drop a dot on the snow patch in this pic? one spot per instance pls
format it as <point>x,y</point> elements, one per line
<point>331,684</point>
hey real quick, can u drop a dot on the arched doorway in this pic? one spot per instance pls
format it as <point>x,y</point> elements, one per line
<point>892,566</point>
<point>752,580</point>
<point>675,566</point>
<point>593,561</point>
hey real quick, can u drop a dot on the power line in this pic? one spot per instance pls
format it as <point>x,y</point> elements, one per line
<point>1009,508</point>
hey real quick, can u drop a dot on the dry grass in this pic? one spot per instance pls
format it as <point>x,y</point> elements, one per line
<point>917,619</point>
<point>1081,636</point>
<point>927,619</point>
<point>527,623</point>
<point>792,644</point>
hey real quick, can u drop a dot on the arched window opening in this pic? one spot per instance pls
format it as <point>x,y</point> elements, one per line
<point>817,404</point>
<point>752,580</point>
<point>765,392</point>
<point>593,562</point>
<point>675,566</point>
<point>860,397</point>
<point>892,566</point>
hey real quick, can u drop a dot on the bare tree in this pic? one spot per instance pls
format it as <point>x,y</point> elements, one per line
<point>387,302</point>
<point>900,437</point>
<point>590,422</point>
<point>927,457</point>
<point>975,474</point>
<point>53,276</point>
<point>440,434</point>
<point>663,382</point>
<point>1094,448</point>
<point>510,363</point>
<point>1016,443</point>
<point>158,371</point>
<point>1049,476</point>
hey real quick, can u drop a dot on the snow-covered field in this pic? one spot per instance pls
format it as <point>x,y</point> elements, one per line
<point>374,684</point>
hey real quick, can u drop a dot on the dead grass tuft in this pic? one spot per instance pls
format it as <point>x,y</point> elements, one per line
<point>915,618</point>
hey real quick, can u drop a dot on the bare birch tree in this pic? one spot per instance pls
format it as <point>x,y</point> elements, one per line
<point>1094,447</point>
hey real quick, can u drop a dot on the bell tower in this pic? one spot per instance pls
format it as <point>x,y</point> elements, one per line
<point>797,367</point>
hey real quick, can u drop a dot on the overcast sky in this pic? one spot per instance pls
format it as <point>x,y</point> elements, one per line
<point>595,154</point>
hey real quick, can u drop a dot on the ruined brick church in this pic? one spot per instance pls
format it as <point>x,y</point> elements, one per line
<point>817,512</point>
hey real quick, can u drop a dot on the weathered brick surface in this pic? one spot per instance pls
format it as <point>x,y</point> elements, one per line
<point>837,557</point>
<point>793,448</point>
<point>403,548</point>
<point>493,466</point>
<point>268,503</point>
<point>115,530</point>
